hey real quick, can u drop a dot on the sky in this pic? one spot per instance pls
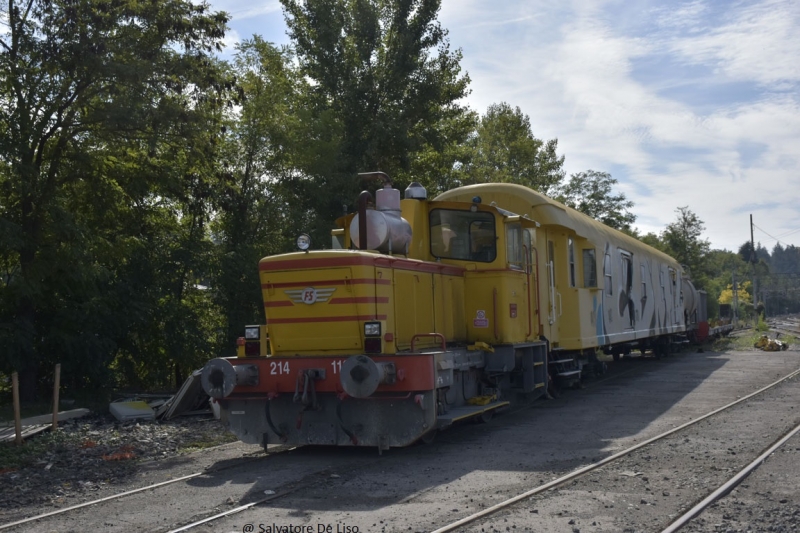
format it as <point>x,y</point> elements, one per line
<point>685,103</point>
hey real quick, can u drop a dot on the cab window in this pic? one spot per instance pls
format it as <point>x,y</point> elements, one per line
<point>514,251</point>
<point>463,235</point>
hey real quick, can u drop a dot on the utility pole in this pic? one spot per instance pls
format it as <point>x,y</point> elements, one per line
<point>735,302</point>
<point>753,260</point>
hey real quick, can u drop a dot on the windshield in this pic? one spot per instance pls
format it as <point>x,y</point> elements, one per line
<point>463,235</point>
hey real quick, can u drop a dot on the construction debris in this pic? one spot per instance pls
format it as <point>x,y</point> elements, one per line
<point>770,345</point>
<point>37,424</point>
<point>131,410</point>
<point>191,399</point>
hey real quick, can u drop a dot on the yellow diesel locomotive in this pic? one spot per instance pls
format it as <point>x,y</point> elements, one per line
<point>427,312</point>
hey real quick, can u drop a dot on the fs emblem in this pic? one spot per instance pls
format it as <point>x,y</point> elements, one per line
<point>309,295</point>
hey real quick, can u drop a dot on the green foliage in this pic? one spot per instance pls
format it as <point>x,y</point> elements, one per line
<point>262,202</point>
<point>746,342</point>
<point>440,163</point>
<point>682,240</point>
<point>384,79</point>
<point>762,326</point>
<point>110,110</point>
<point>590,193</point>
<point>503,149</point>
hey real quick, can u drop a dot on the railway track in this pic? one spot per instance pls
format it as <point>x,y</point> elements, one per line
<point>151,487</point>
<point>348,465</point>
<point>787,325</point>
<point>208,516</point>
<point>479,521</point>
<point>729,485</point>
<point>458,525</point>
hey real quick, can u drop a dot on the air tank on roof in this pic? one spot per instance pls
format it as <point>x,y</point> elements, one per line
<point>387,231</point>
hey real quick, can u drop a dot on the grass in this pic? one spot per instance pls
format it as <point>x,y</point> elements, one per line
<point>34,449</point>
<point>745,342</point>
<point>209,441</point>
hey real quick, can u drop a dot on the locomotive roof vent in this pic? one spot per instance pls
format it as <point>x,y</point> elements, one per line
<point>415,191</point>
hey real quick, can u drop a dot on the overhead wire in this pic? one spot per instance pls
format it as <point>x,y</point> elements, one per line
<point>772,236</point>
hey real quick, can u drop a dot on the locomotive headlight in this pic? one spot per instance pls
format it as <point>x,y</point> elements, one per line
<point>251,332</point>
<point>372,329</point>
<point>303,242</point>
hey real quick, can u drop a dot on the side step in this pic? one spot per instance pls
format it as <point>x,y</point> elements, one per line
<point>460,413</point>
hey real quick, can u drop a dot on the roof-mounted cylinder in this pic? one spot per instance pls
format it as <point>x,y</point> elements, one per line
<point>382,229</point>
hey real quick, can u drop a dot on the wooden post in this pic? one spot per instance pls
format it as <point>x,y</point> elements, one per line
<point>56,387</point>
<point>17,420</point>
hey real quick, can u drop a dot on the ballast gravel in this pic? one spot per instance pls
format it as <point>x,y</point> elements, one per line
<point>93,454</point>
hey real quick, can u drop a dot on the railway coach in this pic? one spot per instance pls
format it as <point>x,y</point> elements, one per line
<point>426,312</point>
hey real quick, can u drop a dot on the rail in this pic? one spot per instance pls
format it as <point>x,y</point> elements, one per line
<point>586,469</point>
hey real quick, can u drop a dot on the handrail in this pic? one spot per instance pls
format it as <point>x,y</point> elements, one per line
<point>538,298</point>
<point>438,335</point>
<point>528,275</point>
<point>494,312</point>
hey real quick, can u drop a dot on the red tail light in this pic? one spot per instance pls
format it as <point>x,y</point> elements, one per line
<point>372,345</point>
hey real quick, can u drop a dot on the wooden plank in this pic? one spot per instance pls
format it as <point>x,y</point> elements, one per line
<point>44,419</point>
<point>8,434</point>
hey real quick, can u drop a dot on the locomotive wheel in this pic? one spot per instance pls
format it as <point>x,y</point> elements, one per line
<point>428,437</point>
<point>600,368</point>
<point>485,417</point>
<point>553,390</point>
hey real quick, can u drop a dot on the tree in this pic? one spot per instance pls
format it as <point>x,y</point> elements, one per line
<point>440,163</point>
<point>107,108</point>
<point>261,204</point>
<point>383,72</point>
<point>590,193</point>
<point>743,297</point>
<point>651,239</point>
<point>504,149</point>
<point>683,242</point>
<point>751,255</point>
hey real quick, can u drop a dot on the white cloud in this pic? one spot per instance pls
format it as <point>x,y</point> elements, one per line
<point>581,87</point>
<point>242,9</point>
<point>695,104</point>
<point>760,44</point>
<point>230,41</point>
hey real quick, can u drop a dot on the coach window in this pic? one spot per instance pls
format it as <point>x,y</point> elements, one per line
<point>627,271</point>
<point>644,280</point>
<point>589,268</point>
<point>607,274</point>
<point>571,252</point>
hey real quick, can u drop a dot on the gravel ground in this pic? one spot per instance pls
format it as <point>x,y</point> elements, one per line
<point>467,468</point>
<point>95,453</point>
<point>768,500</point>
